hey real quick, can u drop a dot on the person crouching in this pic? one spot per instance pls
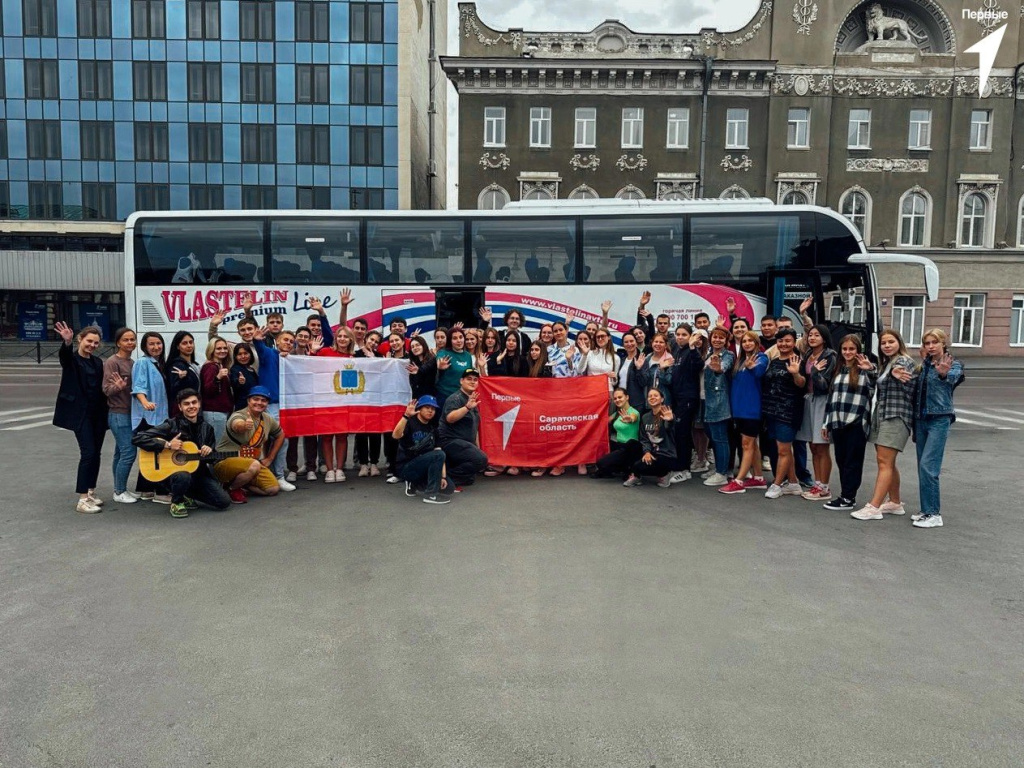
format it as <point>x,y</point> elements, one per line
<point>420,461</point>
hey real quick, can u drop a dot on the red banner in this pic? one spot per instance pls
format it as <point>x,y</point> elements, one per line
<point>543,422</point>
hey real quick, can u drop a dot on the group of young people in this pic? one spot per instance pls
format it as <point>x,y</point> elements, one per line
<point>723,401</point>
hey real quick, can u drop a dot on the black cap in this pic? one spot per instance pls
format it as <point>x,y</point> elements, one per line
<point>471,372</point>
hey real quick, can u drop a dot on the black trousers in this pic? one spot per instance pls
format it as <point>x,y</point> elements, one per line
<point>850,443</point>
<point>424,471</point>
<point>464,460</point>
<point>90,442</point>
<point>686,412</point>
<point>390,451</point>
<point>309,448</point>
<point>660,467</point>
<point>367,448</point>
<point>201,486</point>
<point>616,463</point>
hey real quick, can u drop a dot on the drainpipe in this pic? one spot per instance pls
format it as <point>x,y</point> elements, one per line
<point>708,63</point>
<point>431,105</point>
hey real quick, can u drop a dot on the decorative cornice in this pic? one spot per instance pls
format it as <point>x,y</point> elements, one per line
<point>500,160</point>
<point>805,13</point>
<point>744,163</point>
<point>627,163</point>
<point>722,41</point>
<point>588,163</point>
<point>801,85</point>
<point>471,28</point>
<point>886,164</point>
<point>907,87</point>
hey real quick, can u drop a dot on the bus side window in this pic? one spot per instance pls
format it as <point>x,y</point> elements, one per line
<point>519,250</point>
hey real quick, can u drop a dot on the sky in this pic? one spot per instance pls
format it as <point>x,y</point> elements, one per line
<point>682,16</point>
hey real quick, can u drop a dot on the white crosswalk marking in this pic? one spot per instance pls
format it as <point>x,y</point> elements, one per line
<point>27,426</point>
<point>983,415</point>
<point>962,420</point>
<point>37,413</point>
<point>4,414</point>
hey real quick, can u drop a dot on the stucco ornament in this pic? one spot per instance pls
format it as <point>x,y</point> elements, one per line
<point>743,163</point>
<point>588,163</point>
<point>627,163</point>
<point>882,27</point>
<point>500,160</point>
<point>805,13</point>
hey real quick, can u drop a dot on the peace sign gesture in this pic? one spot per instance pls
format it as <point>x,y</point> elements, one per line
<point>65,331</point>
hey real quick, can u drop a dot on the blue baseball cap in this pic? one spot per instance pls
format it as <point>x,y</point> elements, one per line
<point>425,401</point>
<point>259,391</point>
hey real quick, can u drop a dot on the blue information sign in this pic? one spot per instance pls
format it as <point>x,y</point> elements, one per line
<point>96,314</point>
<point>31,321</point>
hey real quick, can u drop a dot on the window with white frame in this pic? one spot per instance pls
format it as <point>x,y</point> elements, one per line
<point>736,128</point>
<point>798,131</point>
<point>920,129</point>
<point>540,127</point>
<point>913,218</point>
<point>494,126</point>
<point>630,192</point>
<point>1017,321</point>
<point>795,198</point>
<point>538,193</point>
<point>968,319</point>
<point>583,192</point>
<point>678,132</point>
<point>859,133</point>
<point>586,128</point>
<point>735,192</point>
<point>973,213</point>
<point>1020,223</point>
<point>856,207</point>
<point>981,129</point>
<point>493,198</point>
<point>847,307</point>
<point>908,318</point>
<point>633,128</point>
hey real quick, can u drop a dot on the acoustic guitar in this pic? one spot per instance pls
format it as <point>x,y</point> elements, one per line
<point>159,466</point>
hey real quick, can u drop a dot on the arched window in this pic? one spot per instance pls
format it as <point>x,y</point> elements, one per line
<point>735,192</point>
<point>538,193</point>
<point>855,205</point>
<point>583,192</point>
<point>631,193</point>
<point>674,194</point>
<point>972,220</point>
<point>795,198</point>
<point>492,198</point>
<point>915,215</point>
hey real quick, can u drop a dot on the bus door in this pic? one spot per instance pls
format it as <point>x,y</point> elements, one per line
<point>787,289</point>
<point>458,305</point>
<point>848,305</point>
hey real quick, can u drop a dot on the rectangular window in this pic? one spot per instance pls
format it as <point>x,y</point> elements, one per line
<point>908,318</point>
<point>42,79</point>
<point>203,19</point>
<point>149,19</point>
<point>1017,321</point>
<point>94,18</point>
<point>366,84</point>
<point>312,21</point>
<point>99,200</point>
<point>256,20</point>
<point>43,139</point>
<point>968,319</point>
<point>258,83</point>
<point>632,128</point>
<point>97,138</point>
<point>152,197</point>
<point>366,22</point>
<point>149,79</point>
<point>45,200</point>
<point>151,142</point>
<point>159,243</point>
<point>726,247</point>
<point>920,129</point>
<point>618,250</point>
<point>203,82</point>
<point>798,130</point>
<point>363,199</point>
<point>494,126</point>
<point>415,251</point>
<point>736,128</point>
<point>3,80</point>
<point>314,199</point>
<point>981,129</point>
<point>366,145</point>
<point>859,134</point>
<point>205,197</point>
<point>3,139</point>
<point>257,197</point>
<point>677,134</point>
<point>5,200</point>
<point>308,250</point>
<point>95,80</point>
<point>540,126</point>
<point>259,144</point>
<point>205,143</point>
<point>39,18</point>
<point>585,133</point>
<point>312,84</point>
<point>498,245</point>
<point>313,144</point>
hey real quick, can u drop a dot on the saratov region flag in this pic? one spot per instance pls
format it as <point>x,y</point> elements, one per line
<point>336,395</point>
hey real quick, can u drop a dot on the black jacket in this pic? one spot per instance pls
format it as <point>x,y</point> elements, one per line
<point>73,402</point>
<point>176,383</point>
<point>152,438</point>
<point>424,381</point>
<point>686,375</point>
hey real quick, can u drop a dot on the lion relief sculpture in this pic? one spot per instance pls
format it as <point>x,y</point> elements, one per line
<point>882,27</point>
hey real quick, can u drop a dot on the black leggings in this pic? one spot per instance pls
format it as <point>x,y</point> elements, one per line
<point>367,448</point>
<point>617,462</point>
<point>661,466</point>
<point>90,442</point>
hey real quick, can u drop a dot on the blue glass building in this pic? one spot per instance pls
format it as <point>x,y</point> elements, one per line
<point>112,106</point>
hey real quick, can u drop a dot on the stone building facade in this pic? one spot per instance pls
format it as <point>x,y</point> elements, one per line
<point>870,108</point>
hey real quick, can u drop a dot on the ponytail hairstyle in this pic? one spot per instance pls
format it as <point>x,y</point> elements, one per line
<point>853,368</point>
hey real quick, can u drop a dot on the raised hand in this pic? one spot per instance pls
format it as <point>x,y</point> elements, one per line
<point>316,344</point>
<point>316,305</point>
<point>793,366</point>
<point>472,402</point>
<point>750,362</point>
<point>715,363</point>
<point>412,368</point>
<point>666,362</point>
<point>346,296</point>
<point>944,364</point>
<point>261,333</point>
<point>486,314</point>
<point>806,304</point>
<point>410,409</point>
<point>459,325</point>
<point>722,321</point>
<point>568,320</point>
<point>666,414</point>
<point>501,357</point>
<point>415,332</point>
<point>645,298</point>
<point>175,442</point>
<point>863,363</point>
<point>821,365</point>
<point>222,373</point>
<point>640,360</point>
<point>730,304</point>
<point>181,372</point>
<point>241,379</point>
<point>216,319</point>
<point>65,331</point>
<point>606,307</point>
<point>444,363</point>
<point>247,303</point>
<point>902,374</point>
<point>118,381</point>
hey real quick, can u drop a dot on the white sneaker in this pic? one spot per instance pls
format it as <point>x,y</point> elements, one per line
<point>867,512</point>
<point>392,479</point>
<point>323,469</point>
<point>291,477</point>
<point>284,485</point>
<point>680,477</point>
<point>774,491</point>
<point>632,482</point>
<point>364,470</point>
<point>124,498</point>
<point>339,476</point>
<point>86,507</point>
<point>792,489</point>
<point>716,479</point>
<point>329,476</point>
<point>311,475</point>
<point>890,508</point>
<point>916,516</point>
<point>929,521</point>
<point>374,470</point>
<point>699,466</point>
<point>766,464</point>
<point>96,500</point>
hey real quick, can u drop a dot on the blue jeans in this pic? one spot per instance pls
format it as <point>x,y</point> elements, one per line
<point>425,470</point>
<point>931,434</point>
<point>217,420</point>
<point>124,452</point>
<point>718,431</point>
<point>279,466</point>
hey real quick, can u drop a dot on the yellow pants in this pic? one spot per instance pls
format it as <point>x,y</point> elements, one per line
<point>226,471</point>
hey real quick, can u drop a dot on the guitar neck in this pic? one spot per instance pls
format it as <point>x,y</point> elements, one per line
<point>215,456</point>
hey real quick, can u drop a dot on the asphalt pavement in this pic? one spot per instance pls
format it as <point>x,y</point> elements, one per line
<point>553,622</point>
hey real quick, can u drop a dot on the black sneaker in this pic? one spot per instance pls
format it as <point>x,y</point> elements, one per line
<point>839,504</point>
<point>437,498</point>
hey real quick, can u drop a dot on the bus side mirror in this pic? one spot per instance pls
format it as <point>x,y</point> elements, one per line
<point>931,281</point>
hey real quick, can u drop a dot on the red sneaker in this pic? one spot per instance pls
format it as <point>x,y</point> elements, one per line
<point>238,496</point>
<point>734,486</point>
<point>755,482</point>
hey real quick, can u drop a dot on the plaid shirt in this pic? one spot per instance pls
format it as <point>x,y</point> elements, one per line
<point>848,404</point>
<point>894,399</point>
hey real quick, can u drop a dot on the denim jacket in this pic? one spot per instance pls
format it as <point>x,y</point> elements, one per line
<point>716,390</point>
<point>939,392</point>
